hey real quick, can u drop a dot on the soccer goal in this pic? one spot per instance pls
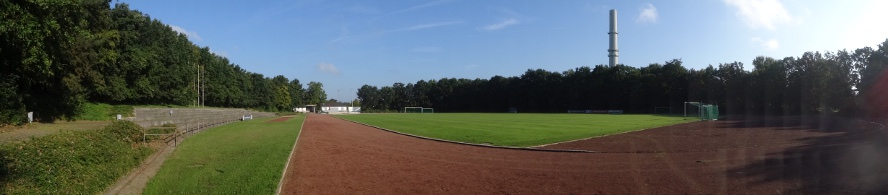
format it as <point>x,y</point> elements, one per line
<point>706,112</point>
<point>662,110</point>
<point>418,110</point>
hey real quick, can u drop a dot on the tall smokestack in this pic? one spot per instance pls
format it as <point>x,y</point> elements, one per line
<point>612,53</point>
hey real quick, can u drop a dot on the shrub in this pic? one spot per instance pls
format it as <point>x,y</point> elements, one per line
<point>83,162</point>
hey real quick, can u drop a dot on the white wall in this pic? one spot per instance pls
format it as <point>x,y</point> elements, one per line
<point>341,109</point>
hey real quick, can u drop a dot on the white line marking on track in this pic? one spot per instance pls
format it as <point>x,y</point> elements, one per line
<point>284,173</point>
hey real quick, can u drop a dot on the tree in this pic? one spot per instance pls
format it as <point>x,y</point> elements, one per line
<point>282,98</point>
<point>369,98</point>
<point>296,92</point>
<point>315,94</point>
<point>768,81</point>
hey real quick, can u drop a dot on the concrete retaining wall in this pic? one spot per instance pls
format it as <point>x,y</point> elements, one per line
<point>152,117</point>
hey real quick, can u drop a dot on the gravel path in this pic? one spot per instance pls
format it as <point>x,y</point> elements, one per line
<point>725,157</point>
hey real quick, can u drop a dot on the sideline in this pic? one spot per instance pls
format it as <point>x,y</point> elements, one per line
<point>533,148</point>
<point>286,166</point>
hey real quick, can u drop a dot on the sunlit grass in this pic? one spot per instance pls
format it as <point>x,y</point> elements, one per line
<point>239,158</point>
<point>519,130</point>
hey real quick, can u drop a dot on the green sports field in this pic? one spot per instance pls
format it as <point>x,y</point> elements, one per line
<point>509,129</point>
<point>239,158</point>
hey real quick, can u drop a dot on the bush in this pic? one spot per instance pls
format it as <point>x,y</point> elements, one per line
<point>102,112</point>
<point>126,131</point>
<point>12,111</point>
<point>83,162</point>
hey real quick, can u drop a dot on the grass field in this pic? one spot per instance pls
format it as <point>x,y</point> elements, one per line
<point>521,130</point>
<point>238,158</point>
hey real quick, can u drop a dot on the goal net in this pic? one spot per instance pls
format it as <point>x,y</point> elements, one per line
<point>662,110</point>
<point>706,112</point>
<point>418,110</point>
<point>412,110</point>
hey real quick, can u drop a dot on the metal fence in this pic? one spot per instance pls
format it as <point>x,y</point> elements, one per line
<point>187,121</point>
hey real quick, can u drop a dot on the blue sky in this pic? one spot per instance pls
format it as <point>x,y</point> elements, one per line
<point>346,44</point>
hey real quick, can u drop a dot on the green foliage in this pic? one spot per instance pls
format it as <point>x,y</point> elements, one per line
<point>282,98</point>
<point>521,130</point>
<point>815,83</point>
<point>100,112</point>
<point>13,111</point>
<point>83,162</point>
<point>240,158</point>
<point>58,55</point>
<point>160,131</point>
<point>296,92</point>
<point>315,94</point>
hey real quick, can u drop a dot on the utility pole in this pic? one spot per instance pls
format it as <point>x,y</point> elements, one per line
<point>203,91</point>
<point>196,83</point>
<point>197,66</point>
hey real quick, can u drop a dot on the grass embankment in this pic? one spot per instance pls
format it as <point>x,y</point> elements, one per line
<point>239,158</point>
<point>520,130</point>
<point>82,162</point>
<point>100,111</point>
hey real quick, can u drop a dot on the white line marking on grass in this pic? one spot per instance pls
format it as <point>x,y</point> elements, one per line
<point>593,137</point>
<point>284,173</point>
<point>466,143</point>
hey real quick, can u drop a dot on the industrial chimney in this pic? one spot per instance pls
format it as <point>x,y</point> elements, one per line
<point>612,52</point>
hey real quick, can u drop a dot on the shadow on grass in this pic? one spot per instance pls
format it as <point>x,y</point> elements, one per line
<point>854,161</point>
<point>5,177</point>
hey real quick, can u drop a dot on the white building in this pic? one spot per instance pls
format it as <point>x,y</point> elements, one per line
<point>339,108</point>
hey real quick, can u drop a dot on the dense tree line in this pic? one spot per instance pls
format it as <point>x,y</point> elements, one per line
<point>830,82</point>
<point>56,55</point>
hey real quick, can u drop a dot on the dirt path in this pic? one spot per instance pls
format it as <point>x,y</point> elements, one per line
<point>137,179</point>
<point>339,157</point>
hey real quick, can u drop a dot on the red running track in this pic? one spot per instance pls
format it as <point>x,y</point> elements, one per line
<point>334,156</point>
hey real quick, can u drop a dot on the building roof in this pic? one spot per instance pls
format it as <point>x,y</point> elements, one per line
<point>337,104</point>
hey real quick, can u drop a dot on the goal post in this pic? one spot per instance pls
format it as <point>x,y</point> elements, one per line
<point>412,110</point>
<point>706,112</point>
<point>662,110</point>
<point>418,110</point>
<point>695,108</point>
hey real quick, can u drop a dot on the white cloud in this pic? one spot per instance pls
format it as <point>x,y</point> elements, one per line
<point>502,24</point>
<point>425,26</point>
<point>328,68</point>
<point>770,44</point>
<point>425,5</point>
<point>190,34</point>
<point>432,25</point>
<point>760,13</point>
<point>648,14</point>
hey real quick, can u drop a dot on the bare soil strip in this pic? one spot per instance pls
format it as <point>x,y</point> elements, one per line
<point>279,119</point>
<point>725,157</point>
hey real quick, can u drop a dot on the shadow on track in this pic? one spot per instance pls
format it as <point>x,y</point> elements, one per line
<point>852,161</point>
